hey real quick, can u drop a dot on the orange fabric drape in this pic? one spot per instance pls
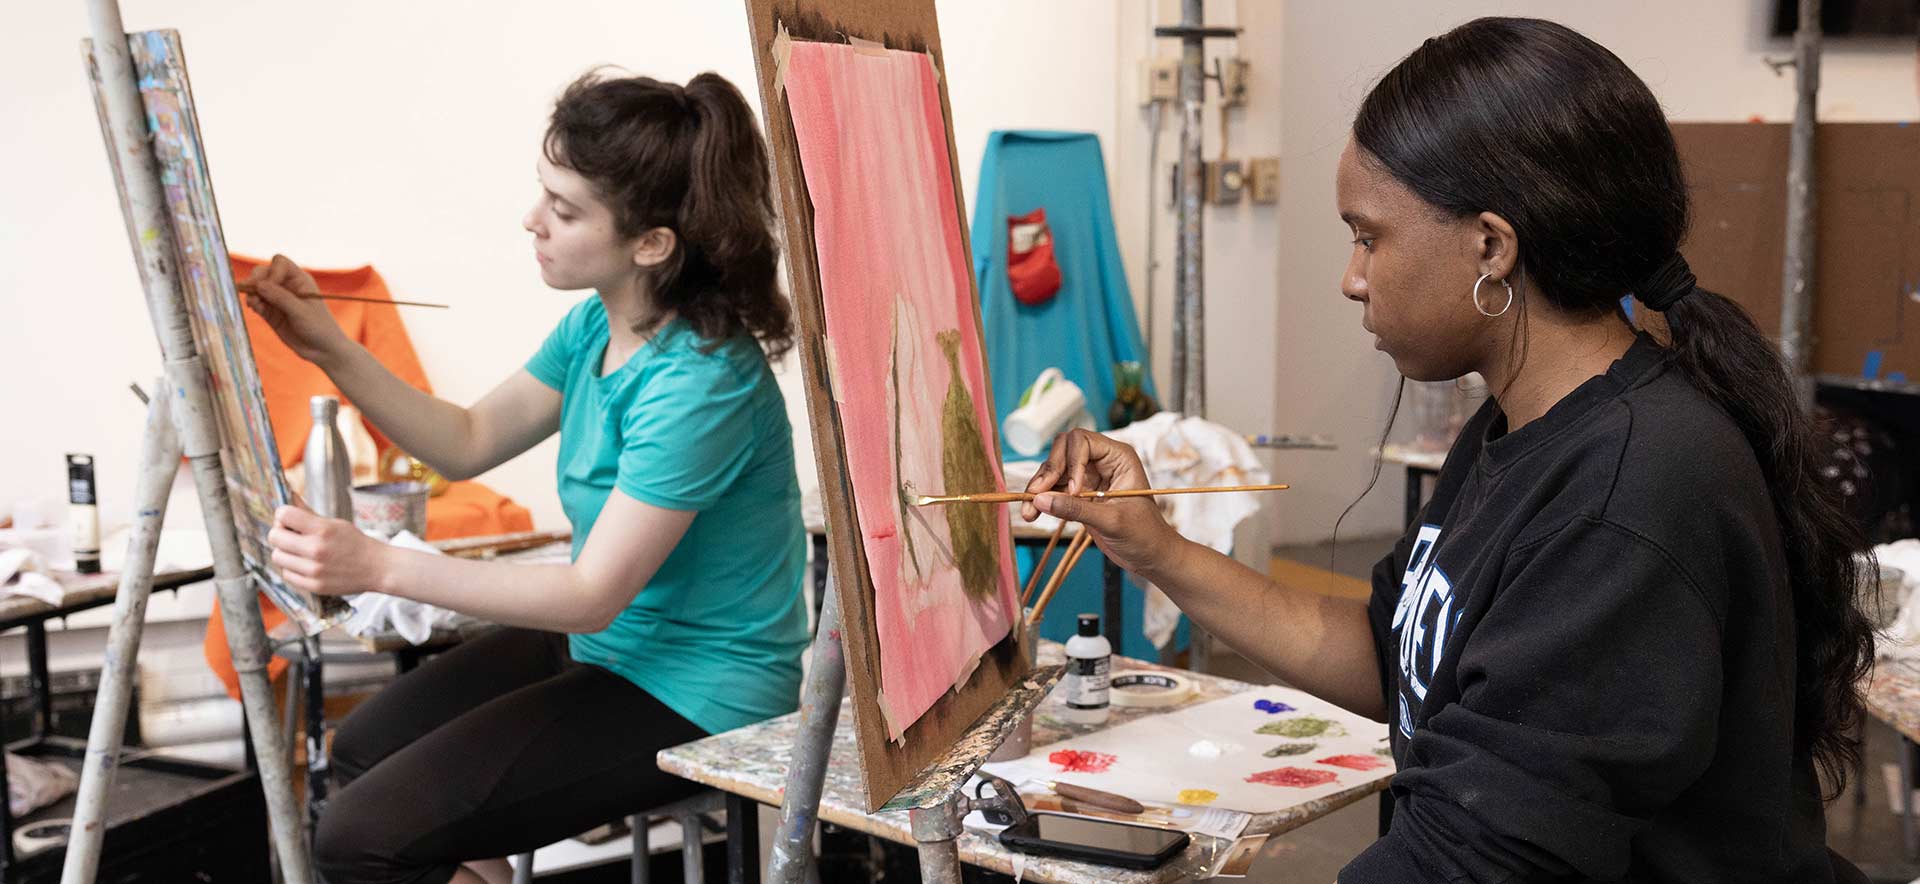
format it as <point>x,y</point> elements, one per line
<point>467,509</point>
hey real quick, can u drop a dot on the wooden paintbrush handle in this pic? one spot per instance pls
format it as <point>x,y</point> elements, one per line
<point>1067,561</point>
<point>250,288</point>
<point>1097,798</point>
<point>1039,565</point>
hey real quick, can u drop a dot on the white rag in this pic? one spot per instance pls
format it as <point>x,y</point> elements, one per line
<point>33,784</point>
<point>375,613</point>
<point>1191,452</point>
<point>1900,640</point>
<point>22,573</point>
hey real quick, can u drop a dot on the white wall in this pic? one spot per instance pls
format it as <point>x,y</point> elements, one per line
<point>397,134</point>
<point>1273,300</point>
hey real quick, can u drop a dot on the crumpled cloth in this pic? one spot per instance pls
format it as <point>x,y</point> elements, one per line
<point>33,784</point>
<point>22,573</point>
<point>1191,452</point>
<point>376,613</point>
<point>1900,640</point>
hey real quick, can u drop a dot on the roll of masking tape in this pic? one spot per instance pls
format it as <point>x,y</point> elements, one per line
<point>1149,690</point>
<point>37,836</point>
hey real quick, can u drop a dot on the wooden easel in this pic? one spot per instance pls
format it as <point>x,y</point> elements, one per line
<point>925,772</point>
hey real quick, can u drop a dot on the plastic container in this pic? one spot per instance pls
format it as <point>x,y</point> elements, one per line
<point>1089,664</point>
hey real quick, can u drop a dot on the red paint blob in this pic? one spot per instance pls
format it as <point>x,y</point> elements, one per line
<point>1355,762</point>
<point>1297,777</point>
<point>1076,761</point>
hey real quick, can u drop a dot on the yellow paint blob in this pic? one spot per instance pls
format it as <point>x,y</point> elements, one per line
<point>1198,797</point>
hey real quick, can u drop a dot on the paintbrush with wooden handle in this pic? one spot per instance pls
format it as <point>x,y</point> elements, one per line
<point>251,289</point>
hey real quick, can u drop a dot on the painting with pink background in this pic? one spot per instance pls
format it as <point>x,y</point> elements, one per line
<point>906,363</point>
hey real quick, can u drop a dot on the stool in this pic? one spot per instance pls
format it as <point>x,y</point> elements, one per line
<point>686,812</point>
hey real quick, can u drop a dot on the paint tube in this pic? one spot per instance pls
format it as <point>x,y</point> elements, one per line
<point>83,513</point>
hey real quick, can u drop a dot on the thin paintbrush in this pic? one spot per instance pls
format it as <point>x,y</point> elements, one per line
<point>1067,560</point>
<point>1019,496</point>
<point>1033,580</point>
<point>249,288</point>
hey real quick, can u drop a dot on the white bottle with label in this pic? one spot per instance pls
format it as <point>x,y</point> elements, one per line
<point>1089,661</point>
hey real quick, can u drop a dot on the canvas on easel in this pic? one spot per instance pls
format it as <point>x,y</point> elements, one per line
<point>859,127</point>
<point>248,454</point>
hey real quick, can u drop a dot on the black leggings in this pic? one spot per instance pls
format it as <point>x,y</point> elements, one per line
<point>496,747</point>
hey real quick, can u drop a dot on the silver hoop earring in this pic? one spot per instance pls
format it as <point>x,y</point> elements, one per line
<point>1503,308</point>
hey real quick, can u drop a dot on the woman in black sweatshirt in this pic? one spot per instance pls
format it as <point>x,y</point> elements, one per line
<point>1620,642</point>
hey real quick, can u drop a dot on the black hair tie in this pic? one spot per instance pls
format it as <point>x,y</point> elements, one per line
<point>1669,283</point>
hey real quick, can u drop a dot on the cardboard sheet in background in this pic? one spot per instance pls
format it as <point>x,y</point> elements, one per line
<point>1867,270</point>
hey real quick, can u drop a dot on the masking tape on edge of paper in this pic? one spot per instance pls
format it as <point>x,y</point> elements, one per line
<point>781,49</point>
<point>833,370</point>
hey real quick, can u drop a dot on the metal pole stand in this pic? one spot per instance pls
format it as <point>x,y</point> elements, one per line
<point>123,127</point>
<point>937,828</point>
<point>934,831</point>
<point>1189,276</point>
<point>934,799</point>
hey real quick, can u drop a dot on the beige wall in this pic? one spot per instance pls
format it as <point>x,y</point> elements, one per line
<point>397,134</point>
<point>403,135</point>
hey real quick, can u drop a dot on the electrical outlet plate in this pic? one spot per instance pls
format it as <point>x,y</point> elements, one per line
<point>1233,81</point>
<point>1226,180</point>
<point>1159,80</point>
<point>1263,180</point>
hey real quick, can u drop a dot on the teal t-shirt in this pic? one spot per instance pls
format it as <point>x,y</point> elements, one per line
<point>718,632</point>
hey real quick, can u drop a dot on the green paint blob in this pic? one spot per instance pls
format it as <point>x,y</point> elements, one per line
<point>966,469</point>
<point>1285,749</point>
<point>1304,726</point>
<point>1383,751</point>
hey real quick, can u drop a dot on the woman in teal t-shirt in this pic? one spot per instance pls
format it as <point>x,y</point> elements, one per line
<point>680,614</point>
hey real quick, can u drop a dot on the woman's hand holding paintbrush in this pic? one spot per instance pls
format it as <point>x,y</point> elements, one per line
<point>1129,530</point>
<point>288,299</point>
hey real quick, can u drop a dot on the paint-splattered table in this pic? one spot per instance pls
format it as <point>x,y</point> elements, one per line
<point>752,762</point>
<point>1892,694</point>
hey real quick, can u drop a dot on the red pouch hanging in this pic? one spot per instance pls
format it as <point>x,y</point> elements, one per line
<point>1031,268</point>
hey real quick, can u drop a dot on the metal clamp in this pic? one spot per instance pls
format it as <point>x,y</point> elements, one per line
<point>1003,807</point>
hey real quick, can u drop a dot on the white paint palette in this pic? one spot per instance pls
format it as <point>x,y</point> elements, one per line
<point>1260,751</point>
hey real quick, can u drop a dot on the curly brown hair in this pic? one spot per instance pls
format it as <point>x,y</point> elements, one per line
<point>690,159</point>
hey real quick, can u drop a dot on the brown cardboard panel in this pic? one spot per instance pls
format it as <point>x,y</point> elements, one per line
<point>1867,265</point>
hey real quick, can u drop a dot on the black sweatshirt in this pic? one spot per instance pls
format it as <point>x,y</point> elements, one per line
<point>1586,646</point>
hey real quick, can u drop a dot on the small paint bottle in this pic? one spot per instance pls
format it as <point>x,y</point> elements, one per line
<point>1089,661</point>
<point>83,513</point>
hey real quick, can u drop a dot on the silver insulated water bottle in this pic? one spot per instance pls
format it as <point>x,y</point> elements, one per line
<point>329,471</point>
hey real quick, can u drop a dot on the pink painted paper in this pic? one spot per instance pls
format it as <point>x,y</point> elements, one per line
<point>893,274</point>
